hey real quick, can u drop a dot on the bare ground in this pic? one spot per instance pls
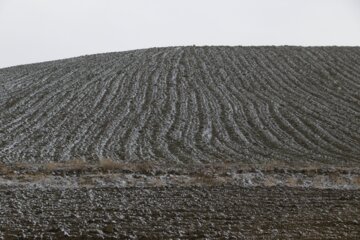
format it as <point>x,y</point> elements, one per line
<point>183,142</point>
<point>226,212</point>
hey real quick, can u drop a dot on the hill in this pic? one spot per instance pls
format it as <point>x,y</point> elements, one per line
<point>186,105</point>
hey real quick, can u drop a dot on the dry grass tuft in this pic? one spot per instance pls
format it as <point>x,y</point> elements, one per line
<point>156,182</point>
<point>76,164</point>
<point>269,181</point>
<point>22,166</point>
<point>51,166</point>
<point>4,170</point>
<point>292,182</point>
<point>108,164</point>
<point>207,180</point>
<point>206,177</point>
<point>73,165</point>
<point>356,180</point>
<point>143,167</point>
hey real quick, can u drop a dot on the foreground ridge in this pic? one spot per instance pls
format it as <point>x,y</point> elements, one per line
<point>186,105</point>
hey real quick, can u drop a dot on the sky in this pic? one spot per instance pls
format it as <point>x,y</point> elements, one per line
<point>41,30</point>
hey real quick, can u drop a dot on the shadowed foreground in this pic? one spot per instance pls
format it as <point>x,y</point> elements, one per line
<point>191,212</point>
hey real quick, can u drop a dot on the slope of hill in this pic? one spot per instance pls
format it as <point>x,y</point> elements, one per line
<point>186,105</point>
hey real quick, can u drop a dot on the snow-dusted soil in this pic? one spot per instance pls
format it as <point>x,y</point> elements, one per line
<point>183,143</point>
<point>299,179</point>
<point>186,105</point>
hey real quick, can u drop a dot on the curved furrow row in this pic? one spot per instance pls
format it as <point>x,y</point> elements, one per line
<point>37,133</point>
<point>343,80</point>
<point>136,116</point>
<point>225,111</point>
<point>323,80</point>
<point>87,127</point>
<point>263,93</point>
<point>176,132</point>
<point>258,94</point>
<point>239,87</point>
<point>186,105</point>
<point>339,61</point>
<point>343,116</point>
<point>240,117</point>
<point>327,98</point>
<point>236,100</point>
<point>123,110</point>
<point>90,130</point>
<point>156,106</point>
<point>197,122</point>
<point>228,104</point>
<point>46,102</point>
<point>127,112</point>
<point>145,106</point>
<point>306,105</point>
<point>37,99</point>
<point>33,105</point>
<point>268,90</point>
<point>52,111</point>
<point>290,137</point>
<point>302,113</point>
<point>116,109</point>
<point>335,143</point>
<point>113,119</point>
<point>346,81</point>
<point>269,135</point>
<point>12,87</point>
<point>18,99</point>
<point>210,125</point>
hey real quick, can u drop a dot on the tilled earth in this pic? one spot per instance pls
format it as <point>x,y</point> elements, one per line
<point>226,212</point>
<point>175,108</point>
<point>186,105</point>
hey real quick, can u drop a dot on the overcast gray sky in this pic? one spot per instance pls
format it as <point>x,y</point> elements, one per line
<point>40,30</point>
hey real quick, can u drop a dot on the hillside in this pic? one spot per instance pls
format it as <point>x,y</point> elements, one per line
<point>186,105</point>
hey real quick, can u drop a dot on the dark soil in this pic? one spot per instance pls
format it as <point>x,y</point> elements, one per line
<point>179,213</point>
<point>181,106</point>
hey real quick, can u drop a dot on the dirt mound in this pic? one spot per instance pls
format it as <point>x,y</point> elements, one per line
<point>186,105</point>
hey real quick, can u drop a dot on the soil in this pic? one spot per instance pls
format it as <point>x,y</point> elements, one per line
<point>225,212</point>
<point>183,143</point>
<point>186,105</point>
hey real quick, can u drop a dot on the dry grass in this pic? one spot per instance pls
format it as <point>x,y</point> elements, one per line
<point>355,180</point>
<point>77,164</point>
<point>269,181</point>
<point>319,181</point>
<point>206,177</point>
<point>4,169</point>
<point>292,182</point>
<point>204,180</point>
<point>338,178</point>
<point>213,174</point>
<point>22,166</point>
<point>105,164</point>
<point>156,182</point>
<point>86,181</point>
<point>143,167</point>
<point>110,165</point>
<point>51,166</point>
